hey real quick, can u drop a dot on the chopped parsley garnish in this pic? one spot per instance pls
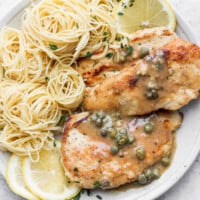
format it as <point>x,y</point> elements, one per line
<point>77,26</point>
<point>96,184</point>
<point>95,63</point>
<point>129,50</point>
<point>88,55</point>
<point>54,143</point>
<point>109,55</point>
<point>62,119</point>
<point>95,17</point>
<point>53,46</point>
<point>46,78</point>
<point>120,13</point>
<point>77,197</point>
<point>105,33</point>
<point>99,197</point>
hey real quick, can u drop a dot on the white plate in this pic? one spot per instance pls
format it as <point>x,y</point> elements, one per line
<point>188,137</point>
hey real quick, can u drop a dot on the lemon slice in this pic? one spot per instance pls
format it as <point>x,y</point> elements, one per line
<point>46,178</point>
<point>134,15</point>
<point>15,180</point>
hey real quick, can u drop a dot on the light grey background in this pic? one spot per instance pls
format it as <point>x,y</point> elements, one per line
<point>188,188</point>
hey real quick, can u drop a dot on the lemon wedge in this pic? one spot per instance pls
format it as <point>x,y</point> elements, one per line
<point>46,178</point>
<point>134,15</point>
<point>15,180</point>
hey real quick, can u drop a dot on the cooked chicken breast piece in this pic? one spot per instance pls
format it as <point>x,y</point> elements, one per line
<point>96,70</point>
<point>158,71</point>
<point>90,157</point>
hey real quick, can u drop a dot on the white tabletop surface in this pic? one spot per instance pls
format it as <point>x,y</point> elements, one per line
<point>188,188</point>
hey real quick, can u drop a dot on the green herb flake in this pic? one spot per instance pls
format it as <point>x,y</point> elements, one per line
<point>54,143</point>
<point>99,197</point>
<point>95,63</point>
<point>95,17</point>
<point>105,33</point>
<point>62,119</point>
<point>96,184</point>
<point>129,50</point>
<point>77,26</point>
<point>120,13</point>
<point>77,197</point>
<point>46,78</point>
<point>109,55</point>
<point>88,55</point>
<point>53,46</point>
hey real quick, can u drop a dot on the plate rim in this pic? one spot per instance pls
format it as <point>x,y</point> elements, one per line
<point>187,30</point>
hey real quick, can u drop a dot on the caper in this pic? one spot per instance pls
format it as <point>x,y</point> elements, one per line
<point>98,122</point>
<point>112,132</point>
<point>149,127</point>
<point>131,139</point>
<point>105,120</point>
<point>103,132</point>
<point>142,179</point>
<point>148,58</point>
<point>149,174</point>
<point>119,123</point>
<point>114,149</point>
<point>152,85</point>
<point>101,115</point>
<point>144,51</point>
<point>122,131</point>
<point>159,62</point>
<point>121,139</point>
<point>165,161</point>
<point>159,66</point>
<point>156,173</point>
<point>140,153</point>
<point>160,53</point>
<point>152,94</point>
<point>94,117</point>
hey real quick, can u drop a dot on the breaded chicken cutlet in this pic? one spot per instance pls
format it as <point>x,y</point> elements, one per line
<point>92,160</point>
<point>158,71</point>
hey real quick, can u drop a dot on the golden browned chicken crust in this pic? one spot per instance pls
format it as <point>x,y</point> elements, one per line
<point>87,157</point>
<point>94,71</point>
<point>125,86</point>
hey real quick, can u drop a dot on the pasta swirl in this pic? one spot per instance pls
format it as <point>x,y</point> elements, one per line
<point>68,29</point>
<point>65,86</point>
